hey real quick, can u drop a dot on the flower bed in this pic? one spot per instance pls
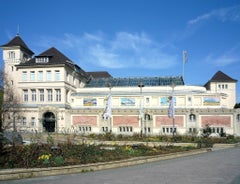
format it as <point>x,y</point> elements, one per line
<point>46,155</point>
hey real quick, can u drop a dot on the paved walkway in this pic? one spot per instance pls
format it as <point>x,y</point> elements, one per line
<point>221,166</point>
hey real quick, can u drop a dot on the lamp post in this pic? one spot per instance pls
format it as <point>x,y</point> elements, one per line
<point>141,85</point>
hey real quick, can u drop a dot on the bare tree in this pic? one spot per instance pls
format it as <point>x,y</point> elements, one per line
<point>1,109</point>
<point>9,110</point>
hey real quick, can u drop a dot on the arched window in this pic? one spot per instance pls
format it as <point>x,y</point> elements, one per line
<point>192,117</point>
<point>238,117</point>
<point>147,117</point>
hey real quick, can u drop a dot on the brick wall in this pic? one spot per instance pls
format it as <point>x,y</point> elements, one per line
<point>84,120</point>
<point>216,121</point>
<point>166,121</point>
<point>126,121</point>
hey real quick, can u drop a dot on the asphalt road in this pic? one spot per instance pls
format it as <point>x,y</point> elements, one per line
<point>215,167</point>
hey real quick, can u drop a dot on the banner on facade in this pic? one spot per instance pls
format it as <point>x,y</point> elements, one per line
<point>89,102</point>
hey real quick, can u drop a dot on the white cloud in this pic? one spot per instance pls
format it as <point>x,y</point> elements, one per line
<point>123,50</point>
<point>226,58</point>
<point>222,14</point>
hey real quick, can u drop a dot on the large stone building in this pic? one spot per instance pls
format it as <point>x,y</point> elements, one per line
<point>59,96</point>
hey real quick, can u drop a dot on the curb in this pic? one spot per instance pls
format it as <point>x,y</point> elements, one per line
<point>11,174</point>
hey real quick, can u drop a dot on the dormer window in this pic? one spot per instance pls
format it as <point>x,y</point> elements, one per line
<point>42,59</point>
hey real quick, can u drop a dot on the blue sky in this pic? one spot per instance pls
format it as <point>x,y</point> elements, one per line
<point>131,38</point>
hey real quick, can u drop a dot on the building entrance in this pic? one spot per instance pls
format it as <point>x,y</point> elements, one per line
<point>49,121</point>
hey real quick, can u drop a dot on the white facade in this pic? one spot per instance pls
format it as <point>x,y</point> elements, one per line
<point>54,97</point>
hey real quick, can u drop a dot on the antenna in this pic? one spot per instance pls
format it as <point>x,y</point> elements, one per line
<point>18,30</point>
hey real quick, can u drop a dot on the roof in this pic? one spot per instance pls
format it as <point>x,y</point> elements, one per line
<point>99,74</point>
<point>55,57</point>
<point>134,81</point>
<point>17,41</point>
<point>221,77</point>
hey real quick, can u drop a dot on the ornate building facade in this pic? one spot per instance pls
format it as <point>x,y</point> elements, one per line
<point>56,95</point>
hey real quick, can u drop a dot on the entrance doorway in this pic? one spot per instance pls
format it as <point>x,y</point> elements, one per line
<point>49,122</point>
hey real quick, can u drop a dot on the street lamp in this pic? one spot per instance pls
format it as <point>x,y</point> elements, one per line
<point>141,85</point>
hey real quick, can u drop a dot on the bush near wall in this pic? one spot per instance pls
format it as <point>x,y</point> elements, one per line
<point>46,155</point>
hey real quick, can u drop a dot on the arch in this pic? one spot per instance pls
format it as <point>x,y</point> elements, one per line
<point>147,117</point>
<point>192,117</point>
<point>49,121</point>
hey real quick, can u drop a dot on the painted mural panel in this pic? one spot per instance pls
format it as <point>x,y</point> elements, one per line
<point>128,101</point>
<point>216,121</point>
<point>166,121</point>
<point>164,101</point>
<point>126,121</point>
<point>84,120</point>
<point>89,102</point>
<point>211,101</point>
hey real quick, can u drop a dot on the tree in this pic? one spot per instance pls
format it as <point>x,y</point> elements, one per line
<point>1,110</point>
<point>206,131</point>
<point>237,105</point>
<point>9,109</point>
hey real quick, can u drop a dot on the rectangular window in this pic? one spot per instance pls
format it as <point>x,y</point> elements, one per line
<point>67,76</point>
<point>24,76</point>
<point>40,75</point>
<point>49,75</point>
<point>32,76</point>
<point>84,129</point>
<point>57,75</point>
<point>32,121</point>
<point>105,129</point>
<point>74,81</point>
<point>58,95</point>
<point>11,55</point>
<point>125,129</point>
<point>25,95</point>
<point>34,95</point>
<point>49,93</point>
<point>147,100</point>
<point>24,121</point>
<point>41,95</point>
<point>42,60</point>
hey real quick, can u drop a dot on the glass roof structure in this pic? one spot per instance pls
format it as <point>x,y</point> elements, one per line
<point>134,81</point>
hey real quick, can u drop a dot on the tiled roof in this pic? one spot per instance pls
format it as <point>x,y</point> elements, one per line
<point>135,81</point>
<point>55,57</point>
<point>221,77</point>
<point>99,74</point>
<point>17,41</point>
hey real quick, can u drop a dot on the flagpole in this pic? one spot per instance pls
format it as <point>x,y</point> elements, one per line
<point>171,110</point>
<point>184,61</point>
<point>141,85</point>
<point>110,96</point>
<point>173,118</point>
<point>183,66</point>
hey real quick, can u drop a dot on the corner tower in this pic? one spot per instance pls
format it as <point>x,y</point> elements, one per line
<point>224,85</point>
<point>14,53</point>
